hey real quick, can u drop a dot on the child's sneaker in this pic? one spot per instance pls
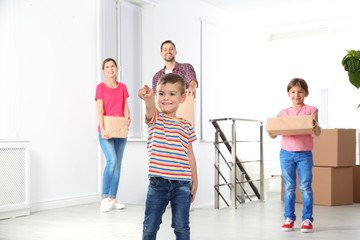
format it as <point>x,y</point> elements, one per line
<point>106,205</point>
<point>306,226</point>
<point>288,225</point>
<point>118,204</point>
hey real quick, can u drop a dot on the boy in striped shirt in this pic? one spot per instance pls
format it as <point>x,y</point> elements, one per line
<point>172,164</point>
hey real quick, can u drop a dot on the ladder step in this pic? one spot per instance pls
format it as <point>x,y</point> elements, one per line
<point>223,163</point>
<point>223,184</point>
<point>254,180</point>
<point>248,161</point>
<point>255,141</point>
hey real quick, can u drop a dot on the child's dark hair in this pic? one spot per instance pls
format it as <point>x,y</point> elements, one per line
<point>167,41</point>
<point>298,82</point>
<point>173,78</point>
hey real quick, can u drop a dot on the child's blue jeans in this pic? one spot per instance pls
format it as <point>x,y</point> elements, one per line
<point>160,192</point>
<point>113,150</point>
<point>303,162</point>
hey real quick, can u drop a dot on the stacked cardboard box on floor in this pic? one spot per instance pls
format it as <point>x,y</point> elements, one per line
<point>334,162</point>
<point>334,159</point>
<point>328,190</point>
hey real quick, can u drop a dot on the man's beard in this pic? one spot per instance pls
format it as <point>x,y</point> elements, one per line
<point>169,60</point>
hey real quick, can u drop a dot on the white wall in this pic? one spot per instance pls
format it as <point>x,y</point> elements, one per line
<point>53,61</point>
<point>54,71</point>
<point>7,16</point>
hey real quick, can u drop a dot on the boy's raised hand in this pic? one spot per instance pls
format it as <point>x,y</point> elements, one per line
<point>145,92</point>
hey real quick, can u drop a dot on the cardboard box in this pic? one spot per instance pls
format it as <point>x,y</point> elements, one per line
<point>335,148</point>
<point>331,186</point>
<point>186,110</point>
<point>116,127</point>
<point>356,183</point>
<point>293,125</point>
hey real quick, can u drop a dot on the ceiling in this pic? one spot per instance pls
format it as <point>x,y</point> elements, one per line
<point>289,10</point>
<point>238,6</point>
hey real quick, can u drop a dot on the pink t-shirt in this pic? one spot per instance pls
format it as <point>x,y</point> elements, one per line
<point>297,142</point>
<point>114,99</point>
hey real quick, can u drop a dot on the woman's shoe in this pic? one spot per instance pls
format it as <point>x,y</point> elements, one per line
<point>106,205</point>
<point>118,204</point>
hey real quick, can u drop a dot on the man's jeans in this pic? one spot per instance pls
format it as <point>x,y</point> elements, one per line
<point>113,150</point>
<point>160,192</point>
<point>303,162</point>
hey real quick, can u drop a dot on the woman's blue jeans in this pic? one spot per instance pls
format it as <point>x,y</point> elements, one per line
<point>160,192</point>
<point>113,150</point>
<point>303,162</point>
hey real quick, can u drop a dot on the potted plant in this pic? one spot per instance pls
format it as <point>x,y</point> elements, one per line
<point>351,63</point>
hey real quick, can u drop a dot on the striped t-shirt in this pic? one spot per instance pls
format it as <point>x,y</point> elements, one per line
<point>167,145</point>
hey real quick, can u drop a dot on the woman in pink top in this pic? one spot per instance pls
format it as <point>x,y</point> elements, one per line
<point>296,153</point>
<point>111,101</point>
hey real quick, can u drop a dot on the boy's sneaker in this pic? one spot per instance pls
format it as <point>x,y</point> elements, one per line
<point>306,226</point>
<point>106,205</point>
<point>118,205</point>
<point>288,225</point>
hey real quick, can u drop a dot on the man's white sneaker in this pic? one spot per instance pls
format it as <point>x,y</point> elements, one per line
<point>191,207</point>
<point>106,205</point>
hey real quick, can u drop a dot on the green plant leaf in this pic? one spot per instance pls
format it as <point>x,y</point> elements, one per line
<point>344,60</point>
<point>351,52</point>
<point>352,64</point>
<point>354,78</point>
<point>357,55</point>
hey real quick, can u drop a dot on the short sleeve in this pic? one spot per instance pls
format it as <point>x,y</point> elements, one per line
<point>190,75</point>
<point>99,92</point>
<point>192,136</point>
<point>281,113</point>
<point>153,119</point>
<point>154,82</point>
<point>313,110</point>
<point>126,93</point>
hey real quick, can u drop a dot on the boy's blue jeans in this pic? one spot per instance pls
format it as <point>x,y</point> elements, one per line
<point>160,192</point>
<point>113,150</point>
<point>303,162</point>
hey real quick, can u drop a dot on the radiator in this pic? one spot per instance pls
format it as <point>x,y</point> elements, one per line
<point>14,178</point>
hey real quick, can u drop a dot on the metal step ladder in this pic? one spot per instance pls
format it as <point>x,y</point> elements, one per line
<point>238,174</point>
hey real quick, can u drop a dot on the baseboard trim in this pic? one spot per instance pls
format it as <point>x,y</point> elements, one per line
<point>64,202</point>
<point>14,213</point>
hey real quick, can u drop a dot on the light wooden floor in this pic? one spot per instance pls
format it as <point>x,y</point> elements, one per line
<point>256,220</point>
